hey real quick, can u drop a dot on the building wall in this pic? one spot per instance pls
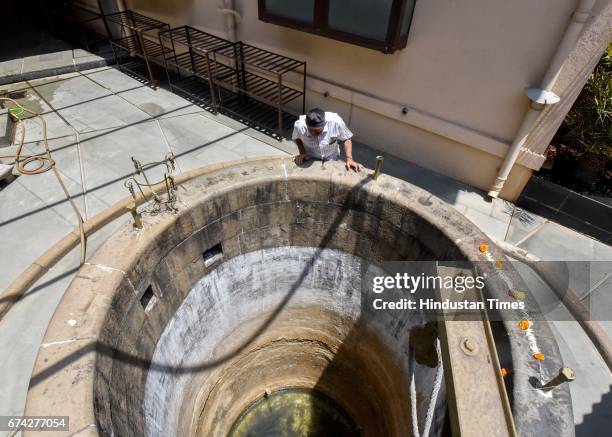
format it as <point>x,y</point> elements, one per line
<point>461,76</point>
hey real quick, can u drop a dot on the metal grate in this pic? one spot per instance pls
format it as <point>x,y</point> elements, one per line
<point>196,39</point>
<point>196,64</point>
<point>192,58</point>
<point>261,59</point>
<point>260,88</point>
<point>135,21</point>
<point>136,41</point>
<point>242,80</point>
<point>255,114</point>
<point>259,75</point>
<point>132,45</point>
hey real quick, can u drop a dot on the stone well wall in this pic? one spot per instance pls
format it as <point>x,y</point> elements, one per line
<point>100,347</point>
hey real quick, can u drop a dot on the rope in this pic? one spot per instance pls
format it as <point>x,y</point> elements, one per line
<point>434,391</point>
<point>42,163</point>
<point>432,400</point>
<point>413,399</point>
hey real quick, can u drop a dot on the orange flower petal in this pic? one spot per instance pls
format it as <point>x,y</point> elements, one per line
<point>539,356</point>
<point>524,324</point>
<point>483,248</point>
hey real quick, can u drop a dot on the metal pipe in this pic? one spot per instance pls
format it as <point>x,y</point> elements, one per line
<point>565,375</point>
<point>232,17</point>
<point>135,216</point>
<point>574,28</point>
<point>379,162</point>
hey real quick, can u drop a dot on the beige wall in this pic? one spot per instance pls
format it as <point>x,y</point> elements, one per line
<point>462,75</point>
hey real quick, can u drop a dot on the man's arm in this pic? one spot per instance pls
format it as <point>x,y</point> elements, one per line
<point>348,151</point>
<point>300,146</point>
<point>299,159</point>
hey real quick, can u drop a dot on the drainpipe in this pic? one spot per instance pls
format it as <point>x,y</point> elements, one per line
<point>543,96</point>
<point>232,17</point>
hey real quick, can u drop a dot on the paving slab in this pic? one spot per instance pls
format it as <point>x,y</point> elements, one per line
<point>73,90</point>
<point>521,224</point>
<point>11,67</point>
<point>198,141</point>
<point>22,330</point>
<point>593,379</point>
<point>39,226</point>
<point>63,151</point>
<point>158,103</point>
<point>190,135</point>
<point>104,113</point>
<point>81,57</point>
<point>47,61</point>
<point>192,132</point>
<point>78,102</point>
<point>45,55</point>
<point>58,78</point>
<point>489,224</point>
<point>602,251</point>
<point>245,146</point>
<point>6,171</point>
<point>68,162</point>
<point>552,242</point>
<point>113,80</point>
<point>107,158</point>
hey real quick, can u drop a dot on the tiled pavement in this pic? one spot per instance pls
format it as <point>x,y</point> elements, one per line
<point>99,118</point>
<point>47,64</point>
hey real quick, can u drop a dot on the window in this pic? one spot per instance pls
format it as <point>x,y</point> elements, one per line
<point>148,298</point>
<point>378,24</point>
<point>212,255</point>
<point>301,10</point>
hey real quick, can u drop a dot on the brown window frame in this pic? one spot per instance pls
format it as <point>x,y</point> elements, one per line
<point>393,41</point>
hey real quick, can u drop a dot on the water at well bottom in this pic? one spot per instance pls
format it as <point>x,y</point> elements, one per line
<point>294,413</point>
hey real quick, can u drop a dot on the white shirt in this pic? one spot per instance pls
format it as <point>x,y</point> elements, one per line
<point>325,145</point>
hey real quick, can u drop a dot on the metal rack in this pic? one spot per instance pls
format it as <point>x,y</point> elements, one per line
<point>77,22</point>
<point>138,42</point>
<point>259,82</point>
<point>187,60</point>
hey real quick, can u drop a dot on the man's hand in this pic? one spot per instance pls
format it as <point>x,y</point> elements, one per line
<point>350,164</point>
<point>299,159</point>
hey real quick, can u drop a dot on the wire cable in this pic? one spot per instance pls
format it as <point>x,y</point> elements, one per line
<point>432,399</point>
<point>37,164</point>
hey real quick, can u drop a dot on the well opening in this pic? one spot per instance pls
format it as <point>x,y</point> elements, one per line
<point>256,285</point>
<point>269,294</point>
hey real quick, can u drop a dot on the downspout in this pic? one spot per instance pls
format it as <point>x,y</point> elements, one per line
<point>232,17</point>
<point>543,96</point>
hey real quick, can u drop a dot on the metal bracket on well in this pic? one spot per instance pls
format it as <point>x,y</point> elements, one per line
<point>163,191</point>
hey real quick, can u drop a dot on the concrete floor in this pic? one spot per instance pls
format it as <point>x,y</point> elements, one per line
<point>99,118</point>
